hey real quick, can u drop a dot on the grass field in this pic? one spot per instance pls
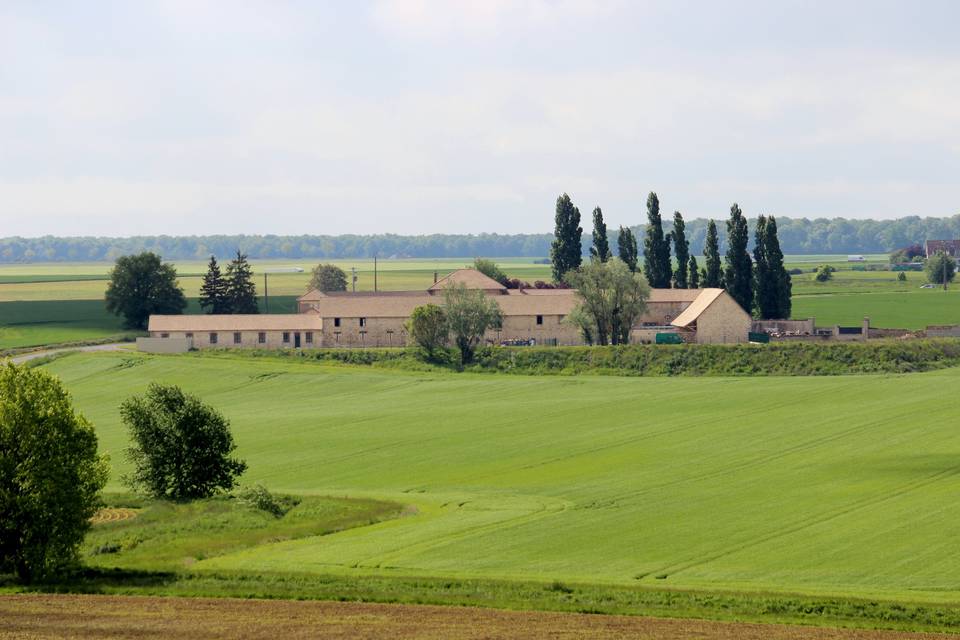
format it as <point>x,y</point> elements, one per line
<point>809,485</point>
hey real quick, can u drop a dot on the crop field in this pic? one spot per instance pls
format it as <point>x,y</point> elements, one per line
<point>838,485</point>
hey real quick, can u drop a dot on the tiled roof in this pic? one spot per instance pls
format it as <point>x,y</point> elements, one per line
<point>689,315</point>
<point>238,322</point>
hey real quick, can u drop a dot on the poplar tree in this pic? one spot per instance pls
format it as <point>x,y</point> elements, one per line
<point>712,276</point>
<point>780,275</point>
<point>764,293</point>
<point>241,292</point>
<point>656,248</point>
<point>566,251</point>
<point>213,291</point>
<point>601,245</point>
<point>627,248</point>
<point>738,276</point>
<point>693,282</point>
<point>681,248</point>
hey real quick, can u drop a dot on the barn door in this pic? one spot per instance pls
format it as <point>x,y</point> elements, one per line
<point>296,339</point>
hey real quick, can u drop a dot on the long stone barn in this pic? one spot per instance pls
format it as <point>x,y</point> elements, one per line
<point>378,319</point>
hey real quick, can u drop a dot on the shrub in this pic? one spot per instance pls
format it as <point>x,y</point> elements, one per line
<point>824,273</point>
<point>258,497</point>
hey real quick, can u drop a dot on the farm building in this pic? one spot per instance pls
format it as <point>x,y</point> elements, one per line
<point>949,247</point>
<point>378,319</point>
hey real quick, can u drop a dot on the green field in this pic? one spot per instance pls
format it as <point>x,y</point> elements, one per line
<point>837,485</point>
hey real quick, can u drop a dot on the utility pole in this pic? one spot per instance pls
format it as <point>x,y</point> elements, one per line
<point>266,296</point>
<point>374,272</point>
<point>353,271</point>
<point>944,270</point>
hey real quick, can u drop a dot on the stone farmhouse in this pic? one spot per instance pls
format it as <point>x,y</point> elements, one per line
<point>378,319</point>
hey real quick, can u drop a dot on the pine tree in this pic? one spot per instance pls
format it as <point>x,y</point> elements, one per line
<point>783,283</point>
<point>694,272</point>
<point>213,291</point>
<point>601,245</point>
<point>627,248</point>
<point>656,248</point>
<point>566,251</point>
<point>738,276</point>
<point>681,248</point>
<point>764,293</point>
<point>241,292</point>
<point>712,276</point>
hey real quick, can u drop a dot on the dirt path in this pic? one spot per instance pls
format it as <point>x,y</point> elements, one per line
<point>72,616</point>
<point>114,346</point>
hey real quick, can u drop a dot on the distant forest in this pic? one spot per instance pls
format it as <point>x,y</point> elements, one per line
<point>797,236</point>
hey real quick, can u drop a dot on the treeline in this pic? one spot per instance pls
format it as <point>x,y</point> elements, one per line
<point>797,236</point>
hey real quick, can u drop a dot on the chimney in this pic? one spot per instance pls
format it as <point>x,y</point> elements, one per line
<point>434,277</point>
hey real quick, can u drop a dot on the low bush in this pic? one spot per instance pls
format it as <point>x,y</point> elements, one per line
<point>258,497</point>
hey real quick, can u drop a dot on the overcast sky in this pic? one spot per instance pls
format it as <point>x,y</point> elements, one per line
<point>127,118</point>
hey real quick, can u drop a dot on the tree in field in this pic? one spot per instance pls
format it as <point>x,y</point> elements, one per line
<point>656,247</point>
<point>181,447</point>
<point>469,314</point>
<point>213,290</point>
<point>681,248</point>
<point>50,475</point>
<point>941,268</point>
<point>142,285</point>
<point>490,269</point>
<point>738,275</point>
<point>601,245</point>
<point>780,298</point>
<point>328,277</point>
<point>428,328</point>
<point>627,248</point>
<point>566,251</point>
<point>824,273</point>
<point>612,298</point>
<point>241,291</point>
<point>694,278</point>
<point>712,276</point>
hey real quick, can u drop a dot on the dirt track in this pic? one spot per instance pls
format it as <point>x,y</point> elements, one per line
<point>52,616</point>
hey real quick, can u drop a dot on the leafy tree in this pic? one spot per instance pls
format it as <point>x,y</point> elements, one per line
<point>612,298</point>
<point>738,276</point>
<point>694,271</point>
<point>469,314</point>
<point>50,474</point>
<point>241,291</point>
<point>782,299</point>
<point>490,269</point>
<point>763,289</point>
<point>681,250</point>
<point>627,248</point>
<point>941,268</point>
<point>601,245</point>
<point>824,273</point>
<point>142,285</point>
<point>428,328</point>
<point>566,251</point>
<point>902,276</point>
<point>213,290</point>
<point>712,275</point>
<point>328,277</point>
<point>656,248</point>
<point>181,447</point>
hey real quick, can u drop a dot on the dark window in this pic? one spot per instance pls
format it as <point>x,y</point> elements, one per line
<point>262,337</point>
<point>213,338</point>
<point>164,335</point>
<point>309,336</point>
<point>189,335</point>
<point>286,336</point>
<point>539,319</point>
<point>336,322</point>
<point>363,322</point>
<point>236,337</point>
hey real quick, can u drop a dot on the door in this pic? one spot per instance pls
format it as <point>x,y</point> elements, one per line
<point>296,339</point>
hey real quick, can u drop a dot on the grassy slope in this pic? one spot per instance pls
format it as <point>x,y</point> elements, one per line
<point>818,485</point>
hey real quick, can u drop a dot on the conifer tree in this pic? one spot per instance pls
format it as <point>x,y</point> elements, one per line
<point>712,276</point>
<point>738,275</point>
<point>241,292</point>
<point>601,245</point>
<point>763,286</point>
<point>566,251</point>
<point>693,281</point>
<point>656,248</point>
<point>781,277</point>
<point>681,248</point>
<point>213,291</point>
<point>627,248</point>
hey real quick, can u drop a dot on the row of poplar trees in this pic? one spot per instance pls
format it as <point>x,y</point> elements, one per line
<point>230,292</point>
<point>761,284</point>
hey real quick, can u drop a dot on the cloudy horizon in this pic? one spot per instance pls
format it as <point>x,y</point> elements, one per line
<point>196,118</point>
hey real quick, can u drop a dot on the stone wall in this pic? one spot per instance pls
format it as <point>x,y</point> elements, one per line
<point>723,322</point>
<point>248,339</point>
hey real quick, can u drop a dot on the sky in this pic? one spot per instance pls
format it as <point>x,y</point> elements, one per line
<point>389,116</point>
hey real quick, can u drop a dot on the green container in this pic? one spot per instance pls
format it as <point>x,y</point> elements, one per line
<point>763,338</point>
<point>669,338</point>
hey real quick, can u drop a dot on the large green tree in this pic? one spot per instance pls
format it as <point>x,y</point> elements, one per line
<point>627,248</point>
<point>142,285</point>
<point>241,290</point>
<point>781,300</point>
<point>738,273</point>
<point>656,247</point>
<point>213,290</point>
<point>941,268</point>
<point>601,244</point>
<point>429,330</point>
<point>566,252</point>
<point>611,299</point>
<point>469,314</point>
<point>713,275</point>
<point>328,277</point>
<point>491,269</point>
<point>681,249</point>
<point>181,447</point>
<point>693,281</point>
<point>50,474</point>
<point>764,289</point>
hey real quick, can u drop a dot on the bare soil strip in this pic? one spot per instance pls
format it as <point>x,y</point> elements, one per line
<point>91,616</point>
<point>111,514</point>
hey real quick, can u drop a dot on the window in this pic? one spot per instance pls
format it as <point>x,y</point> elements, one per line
<point>262,337</point>
<point>190,335</point>
<point>236,337</point>
<point>213,338</point>
<point>309,337</point>
<point>286,336</point>
<point>539,319</point>
<point>336,322</point>
<point>164,335</point>
<point>363,322</point>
